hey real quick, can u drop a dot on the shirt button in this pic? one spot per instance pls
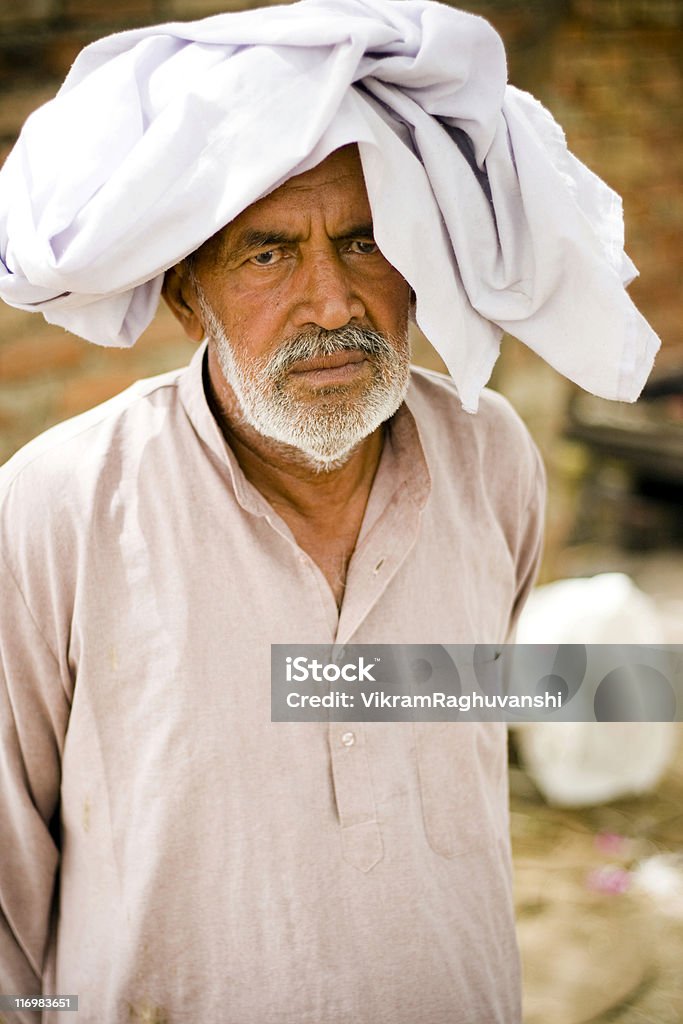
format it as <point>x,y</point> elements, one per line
<point>379,566</point>
<point>348,739</point>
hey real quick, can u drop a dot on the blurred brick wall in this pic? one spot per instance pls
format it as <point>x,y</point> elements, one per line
<point>610,70</point>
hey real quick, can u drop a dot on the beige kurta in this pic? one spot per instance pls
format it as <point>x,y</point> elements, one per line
<point>211,865</point>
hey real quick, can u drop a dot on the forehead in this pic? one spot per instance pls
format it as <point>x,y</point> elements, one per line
<point>339,175</point>
<point>334,190</point>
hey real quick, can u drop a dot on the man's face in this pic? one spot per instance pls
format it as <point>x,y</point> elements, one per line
<point>306,317</point>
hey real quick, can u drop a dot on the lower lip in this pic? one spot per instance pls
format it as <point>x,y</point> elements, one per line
<point>331,374</point>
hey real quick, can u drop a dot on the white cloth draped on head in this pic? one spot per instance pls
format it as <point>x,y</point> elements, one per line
<point>160,136</point>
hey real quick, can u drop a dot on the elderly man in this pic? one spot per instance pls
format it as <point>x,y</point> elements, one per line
<point>168,852</point>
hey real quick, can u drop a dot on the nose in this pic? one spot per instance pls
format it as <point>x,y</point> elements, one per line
<point>327,296</point>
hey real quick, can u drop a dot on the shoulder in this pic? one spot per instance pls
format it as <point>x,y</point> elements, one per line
<point>62,448</point>
<point>54,481</point>
<point>487,474</point>
<point>63,507</point>
<point>495,435</point>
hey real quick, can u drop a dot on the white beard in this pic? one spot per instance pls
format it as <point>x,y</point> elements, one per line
<point>327,427</point>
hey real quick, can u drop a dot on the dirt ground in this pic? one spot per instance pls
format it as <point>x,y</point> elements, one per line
<point>597,956</point>
<point>597,948</point>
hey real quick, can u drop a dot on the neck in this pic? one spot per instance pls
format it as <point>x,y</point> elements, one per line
<point>286,477</point>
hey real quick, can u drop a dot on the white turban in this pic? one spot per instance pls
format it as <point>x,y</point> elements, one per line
<point>162,135</point>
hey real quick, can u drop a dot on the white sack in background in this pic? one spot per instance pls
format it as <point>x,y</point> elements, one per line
<point>575,764</point>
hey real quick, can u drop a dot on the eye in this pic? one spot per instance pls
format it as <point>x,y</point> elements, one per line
<point>267,258</point>
<point>363,247</point>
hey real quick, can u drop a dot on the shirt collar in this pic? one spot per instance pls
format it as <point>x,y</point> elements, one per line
<point>403,460</point>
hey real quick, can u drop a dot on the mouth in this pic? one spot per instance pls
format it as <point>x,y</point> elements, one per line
<point>339,367</point>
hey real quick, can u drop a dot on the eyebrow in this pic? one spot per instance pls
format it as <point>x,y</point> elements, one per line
<point>364,230</point>
<point>252,238</point>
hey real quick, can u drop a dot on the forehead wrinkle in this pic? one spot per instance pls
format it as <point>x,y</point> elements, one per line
<point>296,185</point>
<point>248,239</point>
<point>272,205</point>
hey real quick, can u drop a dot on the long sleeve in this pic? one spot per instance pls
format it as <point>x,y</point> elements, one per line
<point>33,716</point>
<point>530,550</point>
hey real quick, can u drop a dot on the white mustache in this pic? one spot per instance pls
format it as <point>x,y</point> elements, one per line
<point>314,344</point>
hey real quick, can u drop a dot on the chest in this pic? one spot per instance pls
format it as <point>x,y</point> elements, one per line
<point>329,541</point>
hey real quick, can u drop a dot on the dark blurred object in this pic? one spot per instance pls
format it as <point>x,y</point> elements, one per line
<point>632,495</point>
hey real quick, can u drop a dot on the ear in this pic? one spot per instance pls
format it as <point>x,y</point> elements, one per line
<point>180,297</point>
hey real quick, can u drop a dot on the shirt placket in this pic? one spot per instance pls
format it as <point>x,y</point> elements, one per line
<point>375,562</point>
<point>360,832</point>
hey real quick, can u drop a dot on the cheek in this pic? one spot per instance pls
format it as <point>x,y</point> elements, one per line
<point>245,325</point>
<point>248,342</point>
<point>255,317</point>
<point>396,299</point>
